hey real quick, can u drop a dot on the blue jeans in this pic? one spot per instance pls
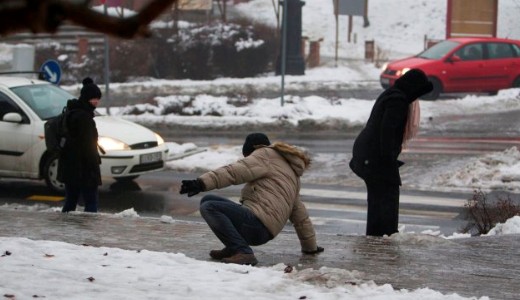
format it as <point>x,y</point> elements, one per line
<point>234,225</point>
<point>72,194</point>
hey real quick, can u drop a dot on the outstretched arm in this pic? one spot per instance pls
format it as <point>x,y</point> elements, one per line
<point>304,229</point>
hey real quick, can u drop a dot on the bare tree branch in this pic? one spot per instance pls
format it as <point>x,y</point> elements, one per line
<point>46,16</point>
<point>277,15</point>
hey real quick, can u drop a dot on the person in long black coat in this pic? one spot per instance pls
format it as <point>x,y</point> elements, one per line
<point>79,161</point>
<point>377,147</point>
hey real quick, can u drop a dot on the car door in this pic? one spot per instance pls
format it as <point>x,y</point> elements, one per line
<point>501,65</point>
<point>16,138</point>
<point>466,72</point>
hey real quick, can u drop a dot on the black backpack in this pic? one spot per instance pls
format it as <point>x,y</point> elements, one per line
<point>56,132</point>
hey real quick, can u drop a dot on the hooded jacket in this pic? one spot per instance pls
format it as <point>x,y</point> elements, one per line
<point>272,189</point>
<point>378,145</point>
<point>80,160</point>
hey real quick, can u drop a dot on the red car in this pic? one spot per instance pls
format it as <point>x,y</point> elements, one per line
<point>462,65</point>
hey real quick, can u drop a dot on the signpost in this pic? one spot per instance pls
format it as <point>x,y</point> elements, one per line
<point>350,8</point>
<point>51,71</point>
<point>107,65</point>
<point>284,50</point>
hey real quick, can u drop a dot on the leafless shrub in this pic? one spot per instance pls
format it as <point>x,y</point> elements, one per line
<point>483,214</point>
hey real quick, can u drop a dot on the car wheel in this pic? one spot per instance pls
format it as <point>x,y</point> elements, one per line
<point>50,174</point>
<point>516,83</point>
<point>437,89</point>
<point>126,178</point>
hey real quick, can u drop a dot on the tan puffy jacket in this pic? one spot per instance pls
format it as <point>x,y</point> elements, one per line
<point>272,189</point>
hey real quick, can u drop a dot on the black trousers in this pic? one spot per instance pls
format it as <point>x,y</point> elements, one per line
<point>383,207</point>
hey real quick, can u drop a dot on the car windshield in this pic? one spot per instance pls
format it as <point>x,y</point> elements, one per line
<point>438,50</point>
<point>46,100</point>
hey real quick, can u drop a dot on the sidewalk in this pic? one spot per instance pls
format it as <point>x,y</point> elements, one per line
<point>478,266</point>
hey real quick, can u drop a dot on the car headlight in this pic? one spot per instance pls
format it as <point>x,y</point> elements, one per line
<point>111,144</point>
<point>385,65</point>
<point>160,140</point>
<point>402,72</point>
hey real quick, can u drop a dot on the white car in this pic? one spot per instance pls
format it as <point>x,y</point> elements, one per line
<point>26,104</point>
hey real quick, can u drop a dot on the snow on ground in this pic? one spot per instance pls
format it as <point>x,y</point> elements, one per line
<point>494,171</point>
<point>221,112</point>
<point>57,270</point>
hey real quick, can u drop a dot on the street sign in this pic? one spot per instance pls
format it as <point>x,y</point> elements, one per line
<point>195,4</point>
<point>112,3</point>
<point>51,71</point>
<point>350,7</point>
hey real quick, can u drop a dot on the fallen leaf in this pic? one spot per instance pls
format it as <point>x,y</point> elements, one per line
<point>91,279</point>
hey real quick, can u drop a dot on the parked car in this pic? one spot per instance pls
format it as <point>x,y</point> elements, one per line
<point>26,104</point>
<point>463,65</point>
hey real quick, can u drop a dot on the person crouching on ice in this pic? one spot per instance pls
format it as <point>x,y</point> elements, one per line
<point>270,197</point>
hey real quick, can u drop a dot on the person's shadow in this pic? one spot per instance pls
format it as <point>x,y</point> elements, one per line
<point>125,186</point>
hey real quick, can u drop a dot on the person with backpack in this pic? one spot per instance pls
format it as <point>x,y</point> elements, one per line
<point>393,121</point>
<point>79,160</point>
<point>270,197</point>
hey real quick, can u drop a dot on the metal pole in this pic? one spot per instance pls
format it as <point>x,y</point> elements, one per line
<point>107,62</point>
<point>337,33</point>
<point>284,48</point>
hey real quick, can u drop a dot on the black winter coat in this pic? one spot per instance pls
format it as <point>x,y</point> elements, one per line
<point>378,145</point>
<point>79,160</point>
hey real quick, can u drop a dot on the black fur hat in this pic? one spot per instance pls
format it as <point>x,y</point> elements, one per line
<point>252,140</point>
<point>89,90</point>
<point>414,84</point>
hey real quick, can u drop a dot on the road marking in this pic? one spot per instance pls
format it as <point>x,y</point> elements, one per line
<point>490,140</point>
<point>320,221</point>
<point>45,198</point>
<point>460,145</point>
<point>426,200</point>
<point>362,209</point>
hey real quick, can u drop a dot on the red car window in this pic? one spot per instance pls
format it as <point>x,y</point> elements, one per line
<point>500,50</point>
<point>470,52</point>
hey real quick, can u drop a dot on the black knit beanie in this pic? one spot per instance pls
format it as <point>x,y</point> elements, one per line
<point>252,140</point>
<point>89,90</point>
<point>414,84</point>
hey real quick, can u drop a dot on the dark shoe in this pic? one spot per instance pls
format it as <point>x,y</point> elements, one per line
<point>220,254</point>
<point>241,259</point>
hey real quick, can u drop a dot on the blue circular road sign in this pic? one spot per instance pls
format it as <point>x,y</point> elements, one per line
<point>51,71</point>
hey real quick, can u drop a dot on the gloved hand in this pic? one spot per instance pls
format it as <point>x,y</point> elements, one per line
<point>318,250</point>
<point>192,187</point>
